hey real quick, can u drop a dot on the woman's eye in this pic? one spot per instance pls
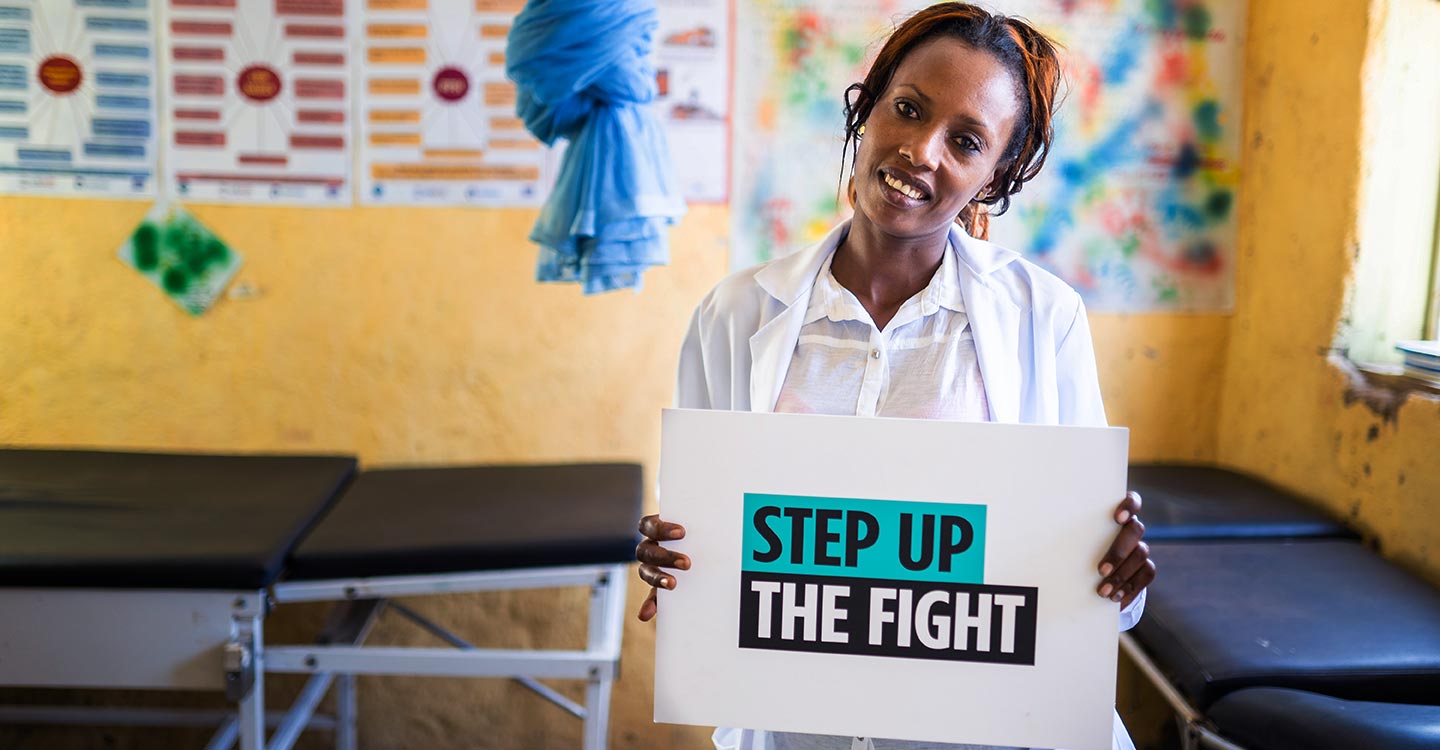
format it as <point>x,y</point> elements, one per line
<point>967,143</point>
<point>906,109</point>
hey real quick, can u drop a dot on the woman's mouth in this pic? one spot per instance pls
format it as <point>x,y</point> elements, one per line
<point>904,188</point>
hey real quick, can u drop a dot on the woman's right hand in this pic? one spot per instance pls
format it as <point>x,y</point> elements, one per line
<point>653,557</point>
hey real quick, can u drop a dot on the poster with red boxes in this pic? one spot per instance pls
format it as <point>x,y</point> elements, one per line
<point>257,101</point>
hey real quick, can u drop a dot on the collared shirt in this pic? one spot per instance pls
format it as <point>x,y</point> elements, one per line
<point>922,366</point>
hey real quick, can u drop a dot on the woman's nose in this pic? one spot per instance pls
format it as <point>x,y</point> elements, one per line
<point>923,151</point>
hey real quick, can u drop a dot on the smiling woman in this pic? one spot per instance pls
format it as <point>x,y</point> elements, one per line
<point>994,44</point>
<point>907,310</point>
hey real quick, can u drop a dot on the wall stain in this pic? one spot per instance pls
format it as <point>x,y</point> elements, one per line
<point>1382,399</point>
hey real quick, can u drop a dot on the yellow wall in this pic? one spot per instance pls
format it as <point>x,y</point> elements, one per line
<point>417,336</point>
<point>1285,412</point>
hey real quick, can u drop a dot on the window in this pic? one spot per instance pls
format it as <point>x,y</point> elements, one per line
<point>1393,288</point>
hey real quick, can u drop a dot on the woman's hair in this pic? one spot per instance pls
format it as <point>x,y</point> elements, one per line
<point>1030,57</point>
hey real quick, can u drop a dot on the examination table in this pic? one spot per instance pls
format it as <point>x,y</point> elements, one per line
<point>1271,627</point>
<point>150,570</point>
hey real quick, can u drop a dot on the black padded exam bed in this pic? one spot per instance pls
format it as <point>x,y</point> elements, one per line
<point>1326,616</point>
<point>1280,719</point>
<point>154,520</point>
<point>150,570</point>
<point>430,520</point>
<point>1186,502</point>
<point>1271,626</point>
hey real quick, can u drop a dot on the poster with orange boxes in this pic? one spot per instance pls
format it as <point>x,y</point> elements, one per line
<point>437,115</point>
<point>257,99</point>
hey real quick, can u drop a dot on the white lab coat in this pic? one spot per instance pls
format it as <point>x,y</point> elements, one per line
<point>1031,335</point>
<point>1032,340</point>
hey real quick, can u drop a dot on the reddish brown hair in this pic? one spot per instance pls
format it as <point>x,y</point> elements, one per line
<point>1032,60</point>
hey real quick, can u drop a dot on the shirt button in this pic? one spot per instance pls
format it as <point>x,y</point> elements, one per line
<point>875,354</point>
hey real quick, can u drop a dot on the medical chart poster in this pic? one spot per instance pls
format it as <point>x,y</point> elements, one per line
<point>908,579</point>
<point>692,73</point>
<point>77,98</point>
<point>437,113</point>
<point>257,101</point>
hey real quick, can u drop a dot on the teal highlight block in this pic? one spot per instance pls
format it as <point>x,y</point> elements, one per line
<point>12,13</point>
<point>12,107</point>
<point>836,540</point>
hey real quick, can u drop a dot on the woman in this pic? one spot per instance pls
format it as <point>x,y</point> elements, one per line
<point>906,310</point>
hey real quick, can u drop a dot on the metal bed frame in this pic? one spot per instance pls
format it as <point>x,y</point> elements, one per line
<point>208,640</point>
<point>1196,732</point>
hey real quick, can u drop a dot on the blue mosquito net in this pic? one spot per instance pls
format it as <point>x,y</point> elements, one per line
<point>583,76</point>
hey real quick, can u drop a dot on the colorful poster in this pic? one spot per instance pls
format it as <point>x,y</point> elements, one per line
<point>77,97</point>
<point>437,114</point>
<point>972,602</point>
<point>257,101</point>
<point>1135,207</point>
<point>692,61</point>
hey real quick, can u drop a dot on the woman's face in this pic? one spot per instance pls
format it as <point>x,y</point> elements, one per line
<point>934,138</point>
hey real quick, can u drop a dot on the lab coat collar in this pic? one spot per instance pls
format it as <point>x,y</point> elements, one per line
<point>993,315</point>
<point>789,278</point>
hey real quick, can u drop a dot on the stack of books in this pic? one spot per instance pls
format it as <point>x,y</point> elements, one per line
<point>1422,360</point>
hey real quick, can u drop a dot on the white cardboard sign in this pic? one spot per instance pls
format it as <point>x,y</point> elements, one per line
<point>895,578</point>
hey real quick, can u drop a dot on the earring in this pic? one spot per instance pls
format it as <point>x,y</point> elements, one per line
<point>860,131</point>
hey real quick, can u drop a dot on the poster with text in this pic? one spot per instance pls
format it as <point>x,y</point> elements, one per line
<point>437,114</point>
<point>257,101</point>
<point>692,61</point>
<point>77,97</point>
<point>906,579</point>
<point>1135,207</point>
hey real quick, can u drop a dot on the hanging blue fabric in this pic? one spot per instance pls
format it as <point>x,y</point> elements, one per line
<point>583,75</point>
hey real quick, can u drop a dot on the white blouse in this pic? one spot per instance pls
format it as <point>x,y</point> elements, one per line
<point>922,366</point>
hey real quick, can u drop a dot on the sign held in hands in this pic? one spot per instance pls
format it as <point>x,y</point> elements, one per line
<point>906,579</point>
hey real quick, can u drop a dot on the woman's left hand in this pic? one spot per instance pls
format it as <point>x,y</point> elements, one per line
<point>1126,568</point>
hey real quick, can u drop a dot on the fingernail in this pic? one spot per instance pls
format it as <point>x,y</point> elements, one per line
<point>1106,589</point>
<point>1122,516</point>
<point>683,563</point>
<point>1106,568</point>
<point>1117,597</point>
<point>676,533</point>
<point>665,582</point>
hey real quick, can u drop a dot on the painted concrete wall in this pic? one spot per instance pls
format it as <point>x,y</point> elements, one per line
<point>1287,412</point>
<point>417,336</point>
